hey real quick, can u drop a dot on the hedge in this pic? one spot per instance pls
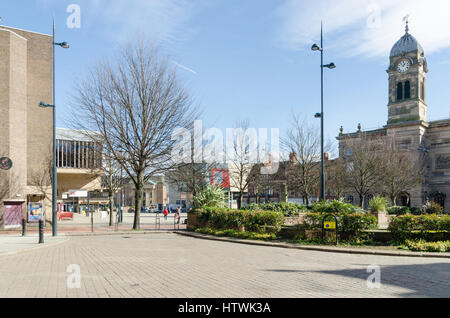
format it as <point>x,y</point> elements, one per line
<point>335,206</point>
<point>287,208</point>
<point>423,246</point>
<point>402,210</point>
<point>426,227</point>
<point>252,221</point>
<point>352,226</point>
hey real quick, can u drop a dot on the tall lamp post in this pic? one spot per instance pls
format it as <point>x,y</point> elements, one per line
<point>320,115</point>
<point>64,45</point>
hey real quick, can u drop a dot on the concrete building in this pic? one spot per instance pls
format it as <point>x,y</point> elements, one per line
<point>26,138</point>
<point>79,164</point>
<point>408,124</point>
<point>26,80</point>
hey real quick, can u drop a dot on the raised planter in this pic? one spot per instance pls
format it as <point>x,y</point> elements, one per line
<point>383,219</point>
<point>297,220</point>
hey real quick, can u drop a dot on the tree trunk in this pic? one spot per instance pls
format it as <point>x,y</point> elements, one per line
<point>241,198</point>
<point>138,196</point>
<point>111,209</point>
<point>361,201</point>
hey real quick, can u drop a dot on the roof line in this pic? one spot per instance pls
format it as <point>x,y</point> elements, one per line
<point>10,31</point>
<point>27,31</point>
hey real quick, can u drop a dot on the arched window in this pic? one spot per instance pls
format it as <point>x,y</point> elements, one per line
<point>407,90</point>
<point>399,91</point>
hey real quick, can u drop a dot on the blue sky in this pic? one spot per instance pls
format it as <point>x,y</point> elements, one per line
<point>251,59</point>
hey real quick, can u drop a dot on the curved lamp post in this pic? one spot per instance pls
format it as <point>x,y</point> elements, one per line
<point>320,115</point>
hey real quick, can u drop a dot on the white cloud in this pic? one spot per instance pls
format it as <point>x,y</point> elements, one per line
<point>124,20</point>
<point>366,28</point>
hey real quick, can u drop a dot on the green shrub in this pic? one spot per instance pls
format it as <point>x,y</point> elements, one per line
<point>409,226</point>
<point>252,221</point>
<point>416,211</point>
<point>287,208</point>
<point>423,246</point>
<point>433,208</point>
<point>352,226</point>
<point>378,204</point>
<point>334,206</point>
<point>211,196</point>
<point>398,210</point>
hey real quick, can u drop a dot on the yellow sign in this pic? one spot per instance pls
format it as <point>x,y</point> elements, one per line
<point>330,226</point>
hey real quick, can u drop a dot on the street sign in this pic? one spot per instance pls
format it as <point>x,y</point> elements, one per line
<point>5,163</point>
<point>330,225</point>
<point>78,194</point>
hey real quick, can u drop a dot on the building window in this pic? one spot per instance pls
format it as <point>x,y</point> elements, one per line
<point>348,152</point>
<point>407,90</point>
<point>422,90</point>
<point>78,155</point>
<point>399,91</point>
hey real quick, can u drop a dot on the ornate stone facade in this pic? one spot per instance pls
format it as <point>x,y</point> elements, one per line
<point>408,125</point>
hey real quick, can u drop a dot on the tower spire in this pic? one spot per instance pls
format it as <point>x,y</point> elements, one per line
<point>406,20</point>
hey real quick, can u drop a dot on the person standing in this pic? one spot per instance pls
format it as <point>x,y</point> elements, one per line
<point>177,214</point>
<point>166,213</point>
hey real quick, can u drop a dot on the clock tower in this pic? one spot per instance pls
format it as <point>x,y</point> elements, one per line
<point>407,81</point>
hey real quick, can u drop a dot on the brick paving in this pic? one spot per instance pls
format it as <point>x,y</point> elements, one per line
<point>170,265</point>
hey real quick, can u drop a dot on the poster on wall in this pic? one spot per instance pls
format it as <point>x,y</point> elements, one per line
<point>35,212</point>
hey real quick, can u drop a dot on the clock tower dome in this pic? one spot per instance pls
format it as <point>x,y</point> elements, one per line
<point>407,81</point>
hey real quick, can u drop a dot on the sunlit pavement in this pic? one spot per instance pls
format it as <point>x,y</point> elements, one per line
<point>170,265</point>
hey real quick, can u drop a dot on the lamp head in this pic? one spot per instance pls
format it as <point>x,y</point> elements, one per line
<point>65,45</point>
<point>318,115</point>
<point>331,66</point>
<point>315,47</point>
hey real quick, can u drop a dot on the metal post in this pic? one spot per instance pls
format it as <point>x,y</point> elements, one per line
<point>322,174</point>
<point>41,232</point>
<point>121,196</point>
<point>24,227</point>
<point>92,214</point>
<point>54,175</point>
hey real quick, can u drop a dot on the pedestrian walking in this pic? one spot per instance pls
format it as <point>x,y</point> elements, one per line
<point>177,214</point>
<point>166,213</point>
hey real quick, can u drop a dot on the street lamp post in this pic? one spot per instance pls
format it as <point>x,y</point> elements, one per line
<point>54,172</point>
<point>320,115</point>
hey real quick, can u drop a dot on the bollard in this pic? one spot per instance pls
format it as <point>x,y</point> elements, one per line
<point>24,227</point>
<point>41,232</point>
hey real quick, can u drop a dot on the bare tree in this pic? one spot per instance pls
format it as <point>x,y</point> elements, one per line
<point>41,178</point>
<point>135,104</point>
<point>363,165</point>
<point>240,162</point>
<point>191,176</point>
<point>336,178</point>
<point>112,180</point>
<point>401,170</point>
<point>303,141</point>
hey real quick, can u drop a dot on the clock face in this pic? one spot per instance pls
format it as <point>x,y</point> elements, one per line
<point>403,66</point>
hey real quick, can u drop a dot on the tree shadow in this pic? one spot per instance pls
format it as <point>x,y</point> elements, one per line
<point>423,280</point>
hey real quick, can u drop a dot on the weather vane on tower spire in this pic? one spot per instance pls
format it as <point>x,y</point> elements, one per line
<point>406,19</point>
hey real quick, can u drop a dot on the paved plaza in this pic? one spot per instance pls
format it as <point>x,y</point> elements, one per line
<point>170,265</point>
<point>82,223</point>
